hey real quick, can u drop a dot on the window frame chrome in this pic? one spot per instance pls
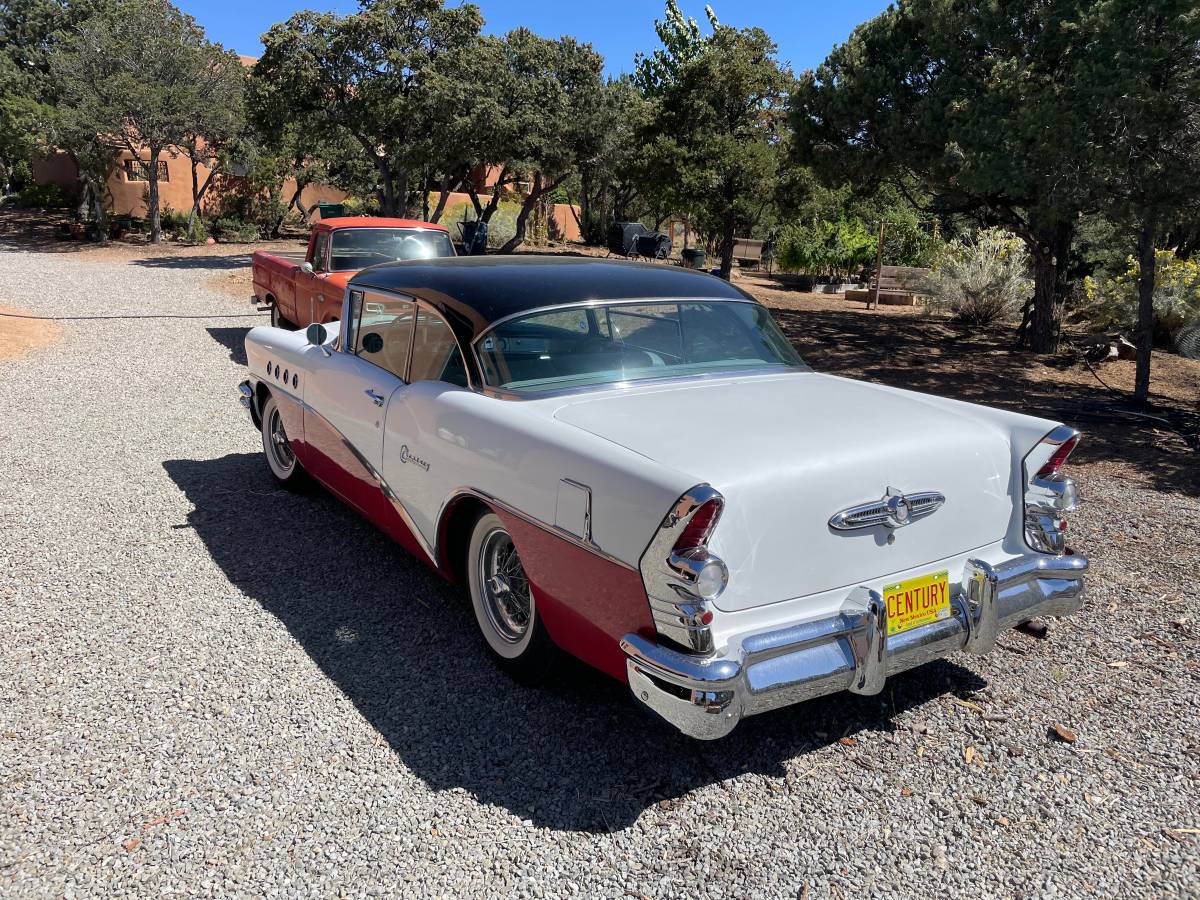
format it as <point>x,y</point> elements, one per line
<point>418,304</point>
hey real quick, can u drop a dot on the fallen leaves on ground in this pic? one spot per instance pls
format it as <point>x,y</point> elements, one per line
<point>1064,734</point>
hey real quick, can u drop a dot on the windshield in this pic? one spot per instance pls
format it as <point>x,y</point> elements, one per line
<point>357,248</point>
<point>587,345</point>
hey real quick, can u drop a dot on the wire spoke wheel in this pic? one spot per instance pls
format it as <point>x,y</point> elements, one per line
<point>278,446</point>
<point>505,587</point>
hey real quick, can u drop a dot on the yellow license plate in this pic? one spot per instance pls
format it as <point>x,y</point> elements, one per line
<point>917,601</point>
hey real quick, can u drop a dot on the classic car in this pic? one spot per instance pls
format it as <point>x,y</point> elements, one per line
<point>630,462</point>
<point>303,290</point>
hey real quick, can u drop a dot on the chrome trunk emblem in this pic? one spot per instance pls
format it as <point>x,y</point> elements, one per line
<point>893,510</point>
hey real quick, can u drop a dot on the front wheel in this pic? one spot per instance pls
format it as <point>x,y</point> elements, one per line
<point>281,459</point>
<point>505,607</point>
<point>278,320</point>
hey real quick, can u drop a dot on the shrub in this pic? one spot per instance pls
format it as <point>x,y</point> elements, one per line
<point>1111,302</point>
<point>234,231</point>
<point>173,220</point>
<point>826,247</point>
<point>501,227</point>
<point>44,196</point>
<point>982,280</point>
<point>196,233</point>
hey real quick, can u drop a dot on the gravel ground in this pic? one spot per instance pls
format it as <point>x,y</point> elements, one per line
<point>198,695</point>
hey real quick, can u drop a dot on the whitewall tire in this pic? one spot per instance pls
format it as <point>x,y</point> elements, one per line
<point>277,448</point>
<point>504,604</point>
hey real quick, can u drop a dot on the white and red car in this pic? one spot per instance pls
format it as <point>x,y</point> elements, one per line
<point>631,463</point>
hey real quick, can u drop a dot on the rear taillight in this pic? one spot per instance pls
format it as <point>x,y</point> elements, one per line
<point>1058,457</point>
<point>1049,494</point>
<point>698,528</point>
<point>681,575</point>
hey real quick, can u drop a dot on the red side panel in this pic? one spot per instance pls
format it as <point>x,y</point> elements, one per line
<point>587,602</point>
<point>327,458</point>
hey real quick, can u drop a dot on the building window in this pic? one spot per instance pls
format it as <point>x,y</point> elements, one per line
<point>139,170</point>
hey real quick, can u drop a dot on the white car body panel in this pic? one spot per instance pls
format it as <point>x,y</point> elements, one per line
<point>788,451</point>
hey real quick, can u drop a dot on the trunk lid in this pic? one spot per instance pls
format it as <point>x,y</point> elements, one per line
<point>789,451</point>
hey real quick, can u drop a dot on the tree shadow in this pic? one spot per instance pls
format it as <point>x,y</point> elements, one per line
<point>403,647</point>
<point>932,355</point>
<point>237,261</point>
<point>233,340</point>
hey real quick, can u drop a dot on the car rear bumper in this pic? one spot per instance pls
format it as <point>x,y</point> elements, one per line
<point>705,696</point>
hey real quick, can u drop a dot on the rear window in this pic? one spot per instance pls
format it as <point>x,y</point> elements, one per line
<point>617,342</point>
<point>358,248</point>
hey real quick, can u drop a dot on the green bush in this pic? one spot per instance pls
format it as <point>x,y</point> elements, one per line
<point>196,233</point>
<point>1111,301</point>
<point>44,196</point>
<point>173,220</point>
<point>502,226</point>
<point>826,248</point>
<point>982,279</point>
<point>235,231</point>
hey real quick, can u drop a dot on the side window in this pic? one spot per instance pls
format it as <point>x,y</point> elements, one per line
<point>435,355</point>
<point>320,259</point>
<point>383,332</point>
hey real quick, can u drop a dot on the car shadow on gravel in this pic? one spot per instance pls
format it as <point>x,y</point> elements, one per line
<point>402,645</point>
<point>233,340</point>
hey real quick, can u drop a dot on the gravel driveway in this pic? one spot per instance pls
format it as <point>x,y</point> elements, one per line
<point>211,686</point>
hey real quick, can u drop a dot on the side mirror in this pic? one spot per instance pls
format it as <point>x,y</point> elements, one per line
<point>307,267</point>
<point>317,335</point>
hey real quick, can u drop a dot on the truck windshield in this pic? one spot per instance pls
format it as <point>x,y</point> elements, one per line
<point>357,248</point>
<point>588,345</point>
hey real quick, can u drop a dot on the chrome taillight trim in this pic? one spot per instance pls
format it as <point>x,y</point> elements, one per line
<point>679,612</point>
<point>1047,497</point>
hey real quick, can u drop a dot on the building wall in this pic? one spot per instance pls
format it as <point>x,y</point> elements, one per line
<point>128,196</point>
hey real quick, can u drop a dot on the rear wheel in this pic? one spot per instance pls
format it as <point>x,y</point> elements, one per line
<point>505,607</point>
<point>281,459</point>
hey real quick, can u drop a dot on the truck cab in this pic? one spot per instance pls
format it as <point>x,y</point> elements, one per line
<point>303,291</point>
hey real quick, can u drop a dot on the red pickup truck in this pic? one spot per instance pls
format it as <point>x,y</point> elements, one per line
<point>303,291</point>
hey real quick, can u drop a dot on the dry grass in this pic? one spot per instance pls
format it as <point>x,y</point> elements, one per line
<point>22,332</point>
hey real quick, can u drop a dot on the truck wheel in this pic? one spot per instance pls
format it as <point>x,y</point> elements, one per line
<point>504,604</point>
<point>278,320</point>
<point>281,460</point>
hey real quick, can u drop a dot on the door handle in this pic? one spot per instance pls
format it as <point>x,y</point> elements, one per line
<point>377,398</point>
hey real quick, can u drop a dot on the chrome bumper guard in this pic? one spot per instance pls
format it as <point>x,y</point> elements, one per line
<point>705,696</point>
<point>245,394</point>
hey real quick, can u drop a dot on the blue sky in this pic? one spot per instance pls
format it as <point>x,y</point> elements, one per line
<point>804,29</point>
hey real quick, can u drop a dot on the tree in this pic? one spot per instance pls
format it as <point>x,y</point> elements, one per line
<point>604,186</point>
<point>682,41</point>
<point>216,124</point>
<point>134,73</point>
<point>31,32</point>
<point>714,138</point>
<point>371,76</point>
<point>969,100</point>
<point>1144,62</point>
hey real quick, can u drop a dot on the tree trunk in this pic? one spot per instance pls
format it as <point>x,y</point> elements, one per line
<point>1049,285</point>
<point>387,190</point>
<point>535,194</point>
<point>494,203</point>
<point>195,189</point>
<point>1147,264</point>
<point>445,189</point>
<point>152,211</point>
<point>727,241</point>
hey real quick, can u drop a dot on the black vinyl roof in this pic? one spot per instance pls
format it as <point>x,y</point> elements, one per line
<point>476,291</point>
